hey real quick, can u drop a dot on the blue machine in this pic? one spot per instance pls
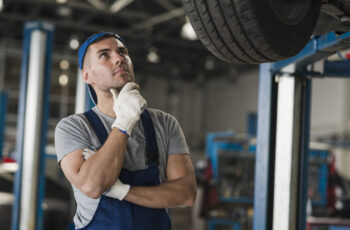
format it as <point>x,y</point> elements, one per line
<point>233,162</point>
<point>318,176</point>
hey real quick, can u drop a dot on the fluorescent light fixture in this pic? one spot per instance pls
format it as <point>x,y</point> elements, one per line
<point>187,31</point>
<point>209,64</point>
<point>152,55</point>
<point>63,79</point>
<point>74,43</point>
<point>64,11</point>
<point>1,5</point>
<point>61,1</point>
<point>8,167</point>
<point>64,64</point>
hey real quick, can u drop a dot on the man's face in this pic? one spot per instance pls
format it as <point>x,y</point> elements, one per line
<point>108,65</point>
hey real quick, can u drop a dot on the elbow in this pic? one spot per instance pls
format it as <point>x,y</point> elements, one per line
<point>191,198</point>
<point>93,192</point>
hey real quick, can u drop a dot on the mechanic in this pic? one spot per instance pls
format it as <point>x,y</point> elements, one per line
<point>126,164</point>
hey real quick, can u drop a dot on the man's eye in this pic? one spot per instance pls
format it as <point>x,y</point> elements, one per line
<point>103,55</point>
<point>124,52</point>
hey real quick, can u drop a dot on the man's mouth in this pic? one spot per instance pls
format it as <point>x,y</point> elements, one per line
<point>121,70</point>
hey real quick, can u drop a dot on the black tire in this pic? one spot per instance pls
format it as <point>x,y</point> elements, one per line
<point>253,31</point>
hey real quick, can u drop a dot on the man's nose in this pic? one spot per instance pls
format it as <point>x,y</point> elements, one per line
<point>117,58</point>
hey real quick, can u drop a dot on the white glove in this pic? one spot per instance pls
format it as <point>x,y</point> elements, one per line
<point>118,189</point>
<point>128,106</point>
<point>89,152</point>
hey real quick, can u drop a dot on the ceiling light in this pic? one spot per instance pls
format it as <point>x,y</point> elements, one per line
<point>64,64</point>
<point>61,1</point>
<point>187,31</point>
<point>1,5</point>
<point>63,79</point>
<point>64,11</point>
<point>209,64</point>
<point>74,43</point>
<point>8,167</point>
<point>152,55</point>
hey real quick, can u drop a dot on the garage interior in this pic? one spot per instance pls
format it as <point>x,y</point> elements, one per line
<point>269,142</point>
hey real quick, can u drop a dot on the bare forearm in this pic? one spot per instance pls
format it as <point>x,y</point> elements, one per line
<point>167,195</point>
<point>104,166</point>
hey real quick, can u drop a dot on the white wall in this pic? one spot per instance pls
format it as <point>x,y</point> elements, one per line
<point>229,103</point>
<point>329,112</point>
<point>331,115</point>
<point>206,106</point>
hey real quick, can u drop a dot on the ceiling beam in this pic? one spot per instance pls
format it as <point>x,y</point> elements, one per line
<point>118,5</point>
<point>148,23</point>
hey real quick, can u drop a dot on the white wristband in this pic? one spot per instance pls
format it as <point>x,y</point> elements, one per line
<point>118,190</point>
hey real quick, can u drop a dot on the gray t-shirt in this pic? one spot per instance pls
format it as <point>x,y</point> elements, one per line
<point>74,132</point>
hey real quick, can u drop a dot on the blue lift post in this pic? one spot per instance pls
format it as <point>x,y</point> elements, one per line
<point>3,111</point>
<point>264,162</point>
<point>48,30</point>
<point>318,48</point>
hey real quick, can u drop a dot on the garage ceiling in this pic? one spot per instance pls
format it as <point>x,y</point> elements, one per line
<point>143,24</point>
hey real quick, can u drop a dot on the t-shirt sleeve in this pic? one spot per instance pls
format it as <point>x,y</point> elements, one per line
<point>70,135</point>
<point>177,141</point>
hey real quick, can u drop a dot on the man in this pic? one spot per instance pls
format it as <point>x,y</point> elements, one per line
<point>125,170</point>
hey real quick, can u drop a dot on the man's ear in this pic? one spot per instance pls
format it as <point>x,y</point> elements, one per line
<point>85,75</point>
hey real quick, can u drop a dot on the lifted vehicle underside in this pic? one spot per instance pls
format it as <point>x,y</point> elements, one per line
<point>257,31</point>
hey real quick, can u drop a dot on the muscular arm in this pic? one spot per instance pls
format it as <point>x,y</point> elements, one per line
<point>180,190</point>
<point>100,171</point>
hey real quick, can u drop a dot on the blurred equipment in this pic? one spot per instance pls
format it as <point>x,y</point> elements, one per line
<point>229,187</point>
<point>228,181</point>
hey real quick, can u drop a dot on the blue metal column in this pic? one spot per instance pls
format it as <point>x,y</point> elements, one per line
<point>3,111</point>
<point>32,125</point>
<point>304,150</point>
<point>265,156</point>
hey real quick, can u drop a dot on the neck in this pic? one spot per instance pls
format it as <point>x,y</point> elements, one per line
<point>105,105</point>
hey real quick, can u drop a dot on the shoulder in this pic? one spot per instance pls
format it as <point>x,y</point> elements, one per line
<point>161,115</point>
<point>72,120</point>
<point>73,124</point>
<point>165,120</point>
<point>72,133</point>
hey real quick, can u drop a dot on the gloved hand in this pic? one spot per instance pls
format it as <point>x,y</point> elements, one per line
<point>128,106</point>
<point>118,189</point>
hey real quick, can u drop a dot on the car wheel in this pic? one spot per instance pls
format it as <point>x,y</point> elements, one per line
<point>253,31</point>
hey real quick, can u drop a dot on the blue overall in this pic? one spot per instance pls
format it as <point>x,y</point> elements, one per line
<point>112,214</point>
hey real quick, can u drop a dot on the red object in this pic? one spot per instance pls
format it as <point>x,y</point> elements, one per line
<point>347,55</point>
<point>331,186</point>
<point>210,197</point>
<point>8,160</point>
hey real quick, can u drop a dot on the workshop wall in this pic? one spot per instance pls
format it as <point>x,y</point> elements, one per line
<point>216,104</point>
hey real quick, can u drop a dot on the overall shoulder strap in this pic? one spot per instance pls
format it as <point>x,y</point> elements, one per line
<point>150,136</point>
<point>97,126</point>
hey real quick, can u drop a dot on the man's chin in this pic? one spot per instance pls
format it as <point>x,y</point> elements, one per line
<point>121,86</point>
